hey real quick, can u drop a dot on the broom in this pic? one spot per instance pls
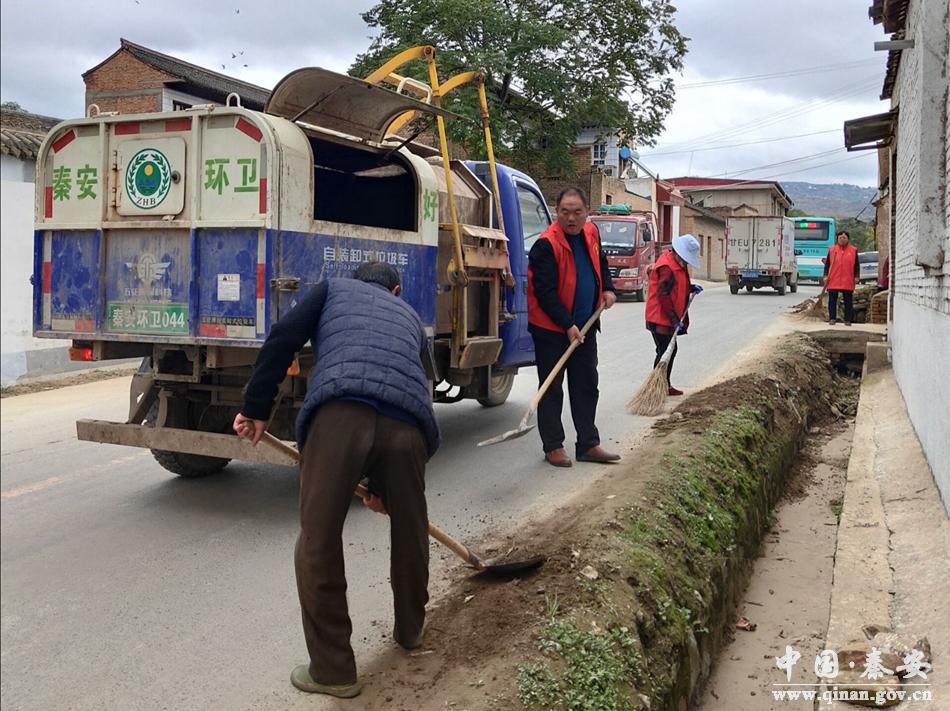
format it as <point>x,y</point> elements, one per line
<point>652,394</point>
<point>816,309</point>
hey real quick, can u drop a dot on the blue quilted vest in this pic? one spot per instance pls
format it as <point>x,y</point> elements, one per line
<point>367,344</point>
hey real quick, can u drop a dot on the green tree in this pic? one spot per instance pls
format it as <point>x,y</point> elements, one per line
<point>552,68</point>
<point>11,106</point>
<point>860,233</point>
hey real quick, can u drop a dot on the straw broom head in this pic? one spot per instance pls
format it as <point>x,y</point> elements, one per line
<point>652,394</point>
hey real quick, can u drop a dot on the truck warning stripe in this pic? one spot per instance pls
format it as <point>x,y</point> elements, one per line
<point>245,126</point>
<point>260,281</point>
<point>262,197</point>
<point>126,129</point>
<point>64,140</point>
<point>47,277</point>
<point>48,202</point>
<point>212,330</point>
<point>182,124</point>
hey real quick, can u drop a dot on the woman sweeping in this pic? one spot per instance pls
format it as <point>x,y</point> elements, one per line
<point>668,294</point>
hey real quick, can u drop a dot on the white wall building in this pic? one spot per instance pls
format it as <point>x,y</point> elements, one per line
<point>916,137</point>
<point>20,354</point>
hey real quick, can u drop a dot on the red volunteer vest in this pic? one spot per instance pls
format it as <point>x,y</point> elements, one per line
<point>567,273</point>
<point>681,289</point>
<point>841,267</point>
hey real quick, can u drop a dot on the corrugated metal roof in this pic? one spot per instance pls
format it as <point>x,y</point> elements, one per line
<point>21,133</point>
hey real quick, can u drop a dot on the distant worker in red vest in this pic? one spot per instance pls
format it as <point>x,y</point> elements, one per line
<point>841,274</point>
<point>667,295</point>
<point>568,280</point>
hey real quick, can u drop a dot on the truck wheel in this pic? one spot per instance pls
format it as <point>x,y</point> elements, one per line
<point>190,466</point>
<point>499,387</point>
<point>749,288</point>
<point>733,288</point>
<point>793,287</point>
<point>640,295</point>
<point>781,290</point>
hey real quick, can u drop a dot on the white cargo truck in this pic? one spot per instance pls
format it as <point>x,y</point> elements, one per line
<point>760,252</point>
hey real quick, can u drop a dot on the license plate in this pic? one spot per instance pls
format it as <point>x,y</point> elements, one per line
<point>169,319</point>
<point>750,275</point>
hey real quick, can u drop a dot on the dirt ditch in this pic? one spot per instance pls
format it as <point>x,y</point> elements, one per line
<point>645,570</point>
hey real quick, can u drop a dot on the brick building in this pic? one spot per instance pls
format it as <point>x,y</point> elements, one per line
<point>913,141</point>
<point>709,228</point>
<point>734,197</point>
<point>136,79</point>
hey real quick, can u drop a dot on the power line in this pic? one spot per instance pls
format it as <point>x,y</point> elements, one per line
<point>777,75</point>
<point>784,173</point>
<point>779,116</point>
<point>745,143</point>
<point>822,154</point>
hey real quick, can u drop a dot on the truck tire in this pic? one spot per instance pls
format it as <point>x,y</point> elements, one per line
<point>781,290</point>
<point>190,466</point>
<point>499,387</point>
<point>749,288</point>
<point>640,295</point>
<point>733,289</point>
<point>793,286</point>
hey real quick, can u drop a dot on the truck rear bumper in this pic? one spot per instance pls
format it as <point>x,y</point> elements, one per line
<point>178,440</point>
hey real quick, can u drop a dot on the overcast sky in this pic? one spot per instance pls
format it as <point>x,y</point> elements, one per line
<point>47,44</point>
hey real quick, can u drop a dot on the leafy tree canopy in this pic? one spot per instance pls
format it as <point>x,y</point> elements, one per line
<point>553,68</point>
<point>10,106</point>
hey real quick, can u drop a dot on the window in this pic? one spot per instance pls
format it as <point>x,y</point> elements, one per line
<point>599,154</point>
<point>702,241</point>
<point>180,106</point>
<point>534,216</point>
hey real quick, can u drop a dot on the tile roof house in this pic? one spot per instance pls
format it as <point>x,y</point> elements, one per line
<point>136,79</point>
<point>22,132</point>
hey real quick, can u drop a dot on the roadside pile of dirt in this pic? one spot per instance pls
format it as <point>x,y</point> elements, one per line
<point>644,570</point>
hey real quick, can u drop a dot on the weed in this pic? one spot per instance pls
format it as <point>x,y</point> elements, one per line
<point>586,671</point>
<point>837,506</point>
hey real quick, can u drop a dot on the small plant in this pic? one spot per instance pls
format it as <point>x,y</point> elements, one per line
<point>837,506</point>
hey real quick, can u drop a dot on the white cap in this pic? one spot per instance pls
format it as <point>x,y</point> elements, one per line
<point>687,247</point>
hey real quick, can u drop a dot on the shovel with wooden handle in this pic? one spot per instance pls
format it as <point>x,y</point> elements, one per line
<point>524,428</point>
<point>494,566</point>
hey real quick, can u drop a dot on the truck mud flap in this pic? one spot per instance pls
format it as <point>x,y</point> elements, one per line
<point>178,440</point>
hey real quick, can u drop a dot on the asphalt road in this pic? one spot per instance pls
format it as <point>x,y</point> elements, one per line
<point>126,587</point>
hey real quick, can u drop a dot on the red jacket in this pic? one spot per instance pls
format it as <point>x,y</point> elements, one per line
<point>567,274</point>
<point>842,267</point>
<point>665,298</point>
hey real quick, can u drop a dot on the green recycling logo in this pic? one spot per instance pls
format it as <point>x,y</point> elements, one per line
<point>148,178</point>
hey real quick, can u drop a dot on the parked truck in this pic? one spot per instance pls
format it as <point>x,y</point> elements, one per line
<point>760,252</point>
<point>628,239</point>
<point>182,237</point>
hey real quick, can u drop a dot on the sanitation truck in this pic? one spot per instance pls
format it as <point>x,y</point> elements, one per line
<point>628,239</point>
<point>760,253</point>
<point>182,237</point>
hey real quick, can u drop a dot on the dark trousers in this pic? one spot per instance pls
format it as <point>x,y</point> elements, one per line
<point>833,305</point>
<point>662,341</point>
<point>582,380</point>
<point>347,441</point>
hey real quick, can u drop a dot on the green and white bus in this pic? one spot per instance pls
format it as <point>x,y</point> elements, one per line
<point>813,237</point>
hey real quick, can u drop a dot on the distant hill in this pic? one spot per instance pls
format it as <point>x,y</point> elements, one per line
<point>830,199</point>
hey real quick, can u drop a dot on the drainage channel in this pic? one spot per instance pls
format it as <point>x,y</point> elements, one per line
<point>787,602</point>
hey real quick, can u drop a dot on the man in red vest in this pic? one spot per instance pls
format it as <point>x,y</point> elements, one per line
<point>568,280</point>
<point>667,295</point>
<point>841,274</point>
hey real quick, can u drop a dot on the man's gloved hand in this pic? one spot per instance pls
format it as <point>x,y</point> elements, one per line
<point>697,289</point>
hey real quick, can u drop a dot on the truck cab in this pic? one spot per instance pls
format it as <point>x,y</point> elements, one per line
<point>628,239</point>
<point>182,237</point>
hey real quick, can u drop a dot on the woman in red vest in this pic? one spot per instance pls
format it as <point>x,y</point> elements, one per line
<point>668,293</point>
<point>568,280</point>
<point>841,274</point>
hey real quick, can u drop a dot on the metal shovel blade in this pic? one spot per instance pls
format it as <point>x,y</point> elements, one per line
<point>491,567</point>
<point>519,431</point>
